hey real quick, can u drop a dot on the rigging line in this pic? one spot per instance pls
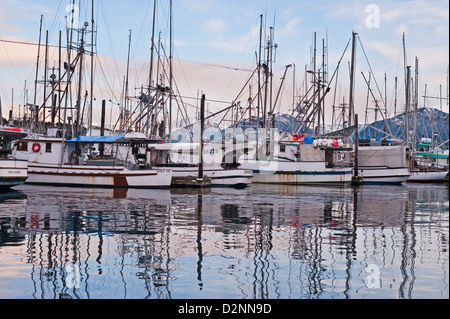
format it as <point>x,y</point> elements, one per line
<point>54,19</point>
<point>109,38</point>
<point>216,65</point>
<point>182,71</point>
<point>13,67</point>
<point>178,90</point>
<point>106,80</point>
<point>370,67</point>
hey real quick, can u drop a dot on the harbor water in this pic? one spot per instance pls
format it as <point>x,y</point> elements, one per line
<point>261,242</point>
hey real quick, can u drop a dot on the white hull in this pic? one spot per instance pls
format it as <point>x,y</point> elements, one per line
<point>384,175</point>
<point>218,176</point>
<point>427,176</point>
<point>297,173</point>
<point>97,176</point>
<point>12,172</point>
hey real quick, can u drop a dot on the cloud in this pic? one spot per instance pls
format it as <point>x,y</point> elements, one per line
<point>15,52</point>
<point>215,25</point>
<point>289,29</point>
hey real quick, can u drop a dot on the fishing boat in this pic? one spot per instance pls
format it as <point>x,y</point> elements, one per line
<point>89,161</point>
<point>184,161</point>
<point>429,164</point>
<point>300,162</point>
<point>383,163</point>
<point>13,172</point>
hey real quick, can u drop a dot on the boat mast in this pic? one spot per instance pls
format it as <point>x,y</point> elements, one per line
<point>408,73</point>
<point>92,67</point>
<point>259,88</point>
<point>351,108</point>
<point>78,106</point>
<point>150,128</point>
<point>416,99</point>
<point>125,99</point>
<point>170,71</point>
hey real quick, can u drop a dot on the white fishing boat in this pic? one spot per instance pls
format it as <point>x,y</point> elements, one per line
<point>429,164</point>
<point>285,161</point>
<point>383,164</point>
<point>115,163</point>
<point>183,159</point>
<point>13,172</point>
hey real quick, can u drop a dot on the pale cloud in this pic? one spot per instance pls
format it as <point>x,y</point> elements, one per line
<point>215,25</point>
<point>289,29</point>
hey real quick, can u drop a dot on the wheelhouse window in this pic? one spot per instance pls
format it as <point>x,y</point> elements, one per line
<point>22,146</point>
<point>48,147</point>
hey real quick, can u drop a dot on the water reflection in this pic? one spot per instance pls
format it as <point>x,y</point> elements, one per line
<point>265,242</point>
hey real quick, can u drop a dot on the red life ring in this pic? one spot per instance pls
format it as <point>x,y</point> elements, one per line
<point>36,147</point>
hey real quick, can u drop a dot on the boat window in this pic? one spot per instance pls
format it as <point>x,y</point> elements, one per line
<point>22,146</point>
<point>282,148</point>
<point>48,147</point>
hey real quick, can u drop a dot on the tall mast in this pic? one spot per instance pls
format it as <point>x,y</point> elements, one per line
<point>171,72</point>
<point>45,80</point>
<point>92,68</point>
<point>259,88</point>
<point>152,49</point>
<point>408,81</point>
<point>416,99</point>
<point>351,107</point>
<point>37,71</point>
<point>151,127</point>
<point>314,75</point>
<point>125,98</point>
<point>78,124</point>
<point>395,98</point>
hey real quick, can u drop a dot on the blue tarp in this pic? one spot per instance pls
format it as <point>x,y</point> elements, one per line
<point>95,139</point>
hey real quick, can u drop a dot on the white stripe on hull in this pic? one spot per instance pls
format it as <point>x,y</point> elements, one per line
<point>97,176</point>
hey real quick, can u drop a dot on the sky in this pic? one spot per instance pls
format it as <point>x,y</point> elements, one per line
<point>215,44</point>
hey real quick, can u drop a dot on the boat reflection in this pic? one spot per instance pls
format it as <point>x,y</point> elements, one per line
<point>261,242</point>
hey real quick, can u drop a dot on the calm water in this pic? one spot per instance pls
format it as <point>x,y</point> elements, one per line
<point>264,242</point>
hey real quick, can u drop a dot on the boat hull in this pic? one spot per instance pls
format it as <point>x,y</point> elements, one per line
<point>12,172</point>
<point>384,175</point>
<point>99,176</point>
<point>219,177</point>
<point>297,173</point>
<point>427,176</point>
